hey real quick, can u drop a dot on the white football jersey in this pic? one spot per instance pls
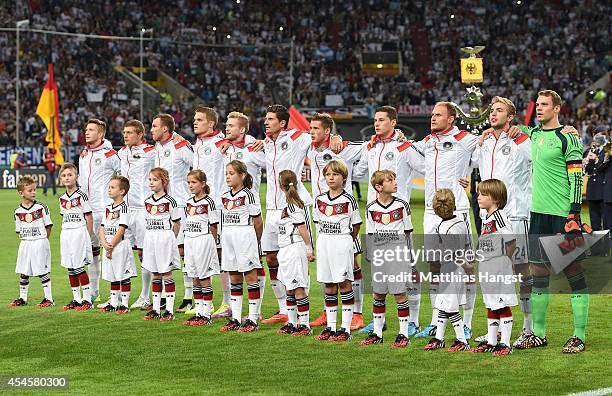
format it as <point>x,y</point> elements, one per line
<point>254,160</point>
<point>177,159</point>
<point>336,216</point>
<point>403,158</point>
<point>31,223</point>
<point>394,218</point>
<point>73,208</point>
<point>496,233</point>
<point>96,167</point>
<point>508,160</point>
<point>239,209</point>
<point>447,159</point>
<point>287,152</point>
<point>199,216</point>
<point>115,217</point>
<point>320,156</point>
<point>161,212</point>
<point>136,163</point>
<point>291,218</point>
<point>453,236</point>
<point>207,157</point>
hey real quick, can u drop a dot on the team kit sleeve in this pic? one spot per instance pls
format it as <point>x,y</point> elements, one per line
<point>124,217</point>
<point>525,129</point>
<point>370,225</point>
<point>408,227</point>
<point>415,159</point>
<point>355,215</point>
<point>351,152</point>
<point>297,216</point>
<point>573,160</point>
<point>17,224</point>
<point>214,215</point>
<point>361,168</point>
<point>254,209</point>
<point>315,211</point>
<point>85,204</point>
<point>47,216</point>
<point>175,212</point>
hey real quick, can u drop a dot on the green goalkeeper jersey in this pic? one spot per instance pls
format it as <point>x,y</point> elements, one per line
<point>557,171</point>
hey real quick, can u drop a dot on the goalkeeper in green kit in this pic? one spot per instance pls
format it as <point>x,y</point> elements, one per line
<point>555,209</point>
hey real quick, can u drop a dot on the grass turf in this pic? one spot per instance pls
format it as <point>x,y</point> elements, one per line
<point>107,353</point>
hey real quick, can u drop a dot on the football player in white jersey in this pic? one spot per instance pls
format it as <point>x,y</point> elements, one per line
<point>245,148</point>
<point>285,149</point>
<point>319,155</point>
<point>97,164</point>
<point>75,239</point>
<point>509,160</point>
<point>33,225</point>
<point>447,153</point>
<point>137,159</point>
<point>497,245</point>
<point>386,151</point>
<point>337,217</point>
<point>177,159</point>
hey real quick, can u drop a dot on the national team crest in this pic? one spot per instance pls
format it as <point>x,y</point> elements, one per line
<point>284,146</point>
<point>98,161</point>
<point>167,153</point>
<point>207,151</point>
<point>447,146</point>
<point>327,157</point>
<point>389,156</point>
<point>506,150</point>
<point>238,155</point>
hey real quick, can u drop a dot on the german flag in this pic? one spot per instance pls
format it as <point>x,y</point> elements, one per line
<point>48,111</point>
<point>297,120</point>
<point>530,113</point>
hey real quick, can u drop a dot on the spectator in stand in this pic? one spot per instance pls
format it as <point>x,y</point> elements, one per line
<point>50,165</point>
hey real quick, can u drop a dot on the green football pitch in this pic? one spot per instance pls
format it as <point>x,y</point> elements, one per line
<point>111,354</point>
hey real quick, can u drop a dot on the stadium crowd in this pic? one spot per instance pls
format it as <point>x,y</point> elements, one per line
<point>527,44</point>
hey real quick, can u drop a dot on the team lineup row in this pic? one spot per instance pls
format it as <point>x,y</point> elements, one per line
<point>224,173</point>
